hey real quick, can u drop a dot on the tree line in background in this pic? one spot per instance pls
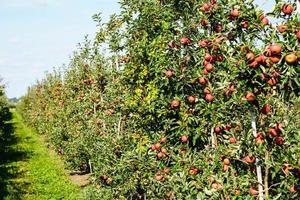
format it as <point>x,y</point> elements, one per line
<point>195,100</point>
<point>4,108</point>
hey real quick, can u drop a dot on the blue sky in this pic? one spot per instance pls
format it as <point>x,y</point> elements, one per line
<point>37,35</point>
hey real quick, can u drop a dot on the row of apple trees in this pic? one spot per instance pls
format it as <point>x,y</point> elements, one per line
<point>195,99</point>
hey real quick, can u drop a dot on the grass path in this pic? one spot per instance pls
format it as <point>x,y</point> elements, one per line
<point>27,169</point>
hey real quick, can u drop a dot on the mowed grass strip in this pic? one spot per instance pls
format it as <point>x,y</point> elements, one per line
<point>30,171</point>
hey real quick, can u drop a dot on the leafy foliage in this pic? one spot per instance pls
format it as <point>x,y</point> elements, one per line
<point>168,113</point>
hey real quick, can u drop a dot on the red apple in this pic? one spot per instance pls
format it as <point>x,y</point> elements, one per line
<point>225,168</point>
<point>279,140</point>
<point>275,49</point>
<point>275,59</point>
<point>159,177</point>
<point>213,2</point>
<point>163,140</point>
<point>249,159</point>
<point>291,59</point>
<point>208,57</point>
<point>298,34</point>
<point>164,151</point>
<point>203,43</point>
<point>235,13</point>
<point>166,170</point>
<point>204,22</point>
<point>245,24</point>
<point>184,138</point>
<point>218,130</point>
<point>191,99</point>
<point>261,59</point>
<point>263,76</point>
<point>175,104</point>
<point>153,148</point>
<point>259,139</point>
<point>272,132</point>
<point>185,41</point>
<point>205,72</point>
<point>218,28</point>
<point>232,140</point>
<point>272,81</point>
<point>287,9</point>
<point>293,189</point>
<point>226,161</point>
<point>265,109</point>
<point>209,67</point>
<point>206,91</point>
<point>202,81</point>
<point>228,127</point>
<point>282,28</point>
<point>253,191</point>
<point>160,155</point>
<point>157,146</point>
<point>231,88</point>
<point>205,63</point>
<point>250,56</point>
<point>253,64</point>
<point>205,7</point>
<point>217,186</point>
<point>220,58</point>
<point>169,73</point>
<point>193,171</point>
<point>209,97</point>
<point>278,127</point>
<point>219,39</point>
<point>250,96</point>
<point>265,21</point>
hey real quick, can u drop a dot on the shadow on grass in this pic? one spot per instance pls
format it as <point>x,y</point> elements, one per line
<point>11,183</point>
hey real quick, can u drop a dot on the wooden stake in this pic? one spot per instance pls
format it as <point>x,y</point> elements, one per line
<point>213,139</point>
<point>90,164</point>
<point>258,167</point>
<point>119,126</point>
<point>266,180</point>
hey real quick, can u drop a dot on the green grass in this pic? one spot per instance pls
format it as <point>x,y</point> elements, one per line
<point>27,169</point>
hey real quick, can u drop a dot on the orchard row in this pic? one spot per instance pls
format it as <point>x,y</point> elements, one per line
<point>195,100</point>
